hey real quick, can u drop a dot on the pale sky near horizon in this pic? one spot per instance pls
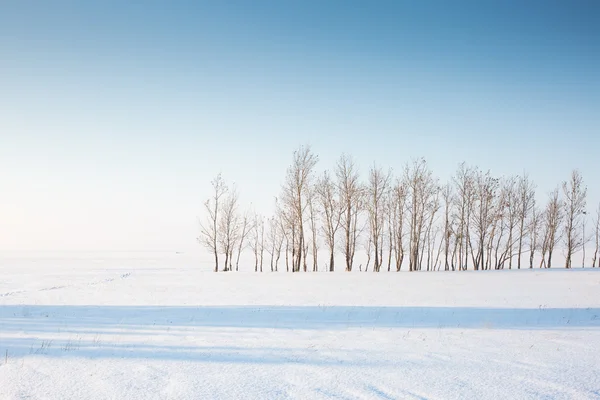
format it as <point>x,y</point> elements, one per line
<point>115,117</point>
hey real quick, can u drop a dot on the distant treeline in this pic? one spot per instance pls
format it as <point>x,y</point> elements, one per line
<point>474,221</point>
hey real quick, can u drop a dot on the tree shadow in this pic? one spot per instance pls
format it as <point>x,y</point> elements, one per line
<point>89,331</point>
<point>33,318</point>
<point>21,347</point>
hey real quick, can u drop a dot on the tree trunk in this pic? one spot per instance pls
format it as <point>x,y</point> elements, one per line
<point>261,260</point>
<point>348,231</point>
<point>520,243</point>
<point>304,265</point>
<point>376,266</point>
<point>531,257</point>
<point>287,256</point>
<point>331,260</point>
<point>583,247</point>
<point>399,261</point>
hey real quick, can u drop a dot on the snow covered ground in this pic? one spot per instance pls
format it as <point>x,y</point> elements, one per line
<point>144,328</point>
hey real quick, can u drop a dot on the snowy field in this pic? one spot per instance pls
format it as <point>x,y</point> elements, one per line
<point>144,328</point>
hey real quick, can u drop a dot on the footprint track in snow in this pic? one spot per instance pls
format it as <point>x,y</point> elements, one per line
<point>6,294</point>
<point>53,288</point>
<point>107,280</point>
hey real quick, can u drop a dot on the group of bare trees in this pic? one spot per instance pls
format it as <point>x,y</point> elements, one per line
<point>224,229</point>
<point>474,221</point>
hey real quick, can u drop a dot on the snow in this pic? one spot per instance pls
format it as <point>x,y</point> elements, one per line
<point>157,327</point>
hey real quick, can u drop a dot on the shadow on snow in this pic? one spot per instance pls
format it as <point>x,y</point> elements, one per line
<point>89,331</point>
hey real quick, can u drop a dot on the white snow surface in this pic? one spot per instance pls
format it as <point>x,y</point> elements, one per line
<point>160,329</point>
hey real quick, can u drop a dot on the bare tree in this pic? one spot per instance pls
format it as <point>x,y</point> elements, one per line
<point>274,242</point>
<point>420,188</point>
<point>512,213</point>
<point>296,192</point>
<point>505,234</point>
<point>491,239</point>
<point>351,193</point>
<point>585,240</point>
<point>398,207</point>
<point>574,208</point>
<point>286,229</point>
<point>262,242</point>
<point>552,220</point>
<point>377,190</point>
<point>499,226</point>
<point>597,237</point>
<point>389,211</point>
<point>465,196</point>
<point>228,226</point>
<point>280,238</point>
<point>437,263</point>
<point>209,230</point>
<point>506,222</point>
<point>369,251</point>
<point>243,229</point>
<point>447,197</point>
<point>526,201</point>
<point>257,241</point>
<point>431,209</point>
<point>533,230</point>
<point>285,219</point>
<point>332,211</point>
<point>484,215</point>
<point>313,213</point>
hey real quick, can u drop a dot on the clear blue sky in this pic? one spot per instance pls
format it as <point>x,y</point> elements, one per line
<point>115,117</point>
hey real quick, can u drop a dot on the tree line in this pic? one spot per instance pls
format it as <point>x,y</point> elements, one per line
<point>475,220</point>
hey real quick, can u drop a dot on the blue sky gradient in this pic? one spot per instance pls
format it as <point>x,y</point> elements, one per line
<point>116,116</point>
